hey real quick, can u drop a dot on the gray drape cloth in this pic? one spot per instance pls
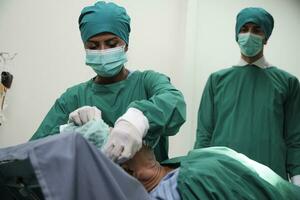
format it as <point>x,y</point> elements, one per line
<point>68,167</point>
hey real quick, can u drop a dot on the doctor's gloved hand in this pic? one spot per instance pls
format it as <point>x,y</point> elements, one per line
<point>296,180</point>
<point>126,137</point>
<point>84,114</point>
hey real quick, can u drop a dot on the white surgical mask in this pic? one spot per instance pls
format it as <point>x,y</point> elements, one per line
<point>250,44</point>
<point>108,62</point>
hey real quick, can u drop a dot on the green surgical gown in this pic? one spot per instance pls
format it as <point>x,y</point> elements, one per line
<point>223,174</point>
<point>148,91</point>
<point>256,112</point>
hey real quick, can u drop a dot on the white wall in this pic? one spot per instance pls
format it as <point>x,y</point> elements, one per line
<point>186,39</point>
<point>50,58</point>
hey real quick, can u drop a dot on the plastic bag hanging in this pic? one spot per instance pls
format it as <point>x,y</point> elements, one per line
<point>6,80</point>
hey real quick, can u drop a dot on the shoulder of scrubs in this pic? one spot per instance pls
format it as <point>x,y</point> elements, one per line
<point>281,72</point>
<point>282,78</point>
<point>222,72</point>
<point>215,76</point>
<point>150,74</point>
<point>75,89</point>
<point>72,95</point>
<point>59,112</point>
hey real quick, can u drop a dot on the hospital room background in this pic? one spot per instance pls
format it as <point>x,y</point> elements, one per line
<point>185,39</point>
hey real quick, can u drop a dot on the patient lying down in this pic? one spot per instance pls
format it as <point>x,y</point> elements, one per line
<point>144,167</point>
<point>208,173</point>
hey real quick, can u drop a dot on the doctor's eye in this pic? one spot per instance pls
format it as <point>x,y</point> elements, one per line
<point>257,30</point>
<point>112,43</point>
<point>244,29</point>
<point>91,45</point>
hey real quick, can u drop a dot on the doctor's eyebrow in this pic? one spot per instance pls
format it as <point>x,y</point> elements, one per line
<point>111,38</point>
<point>110,41</point>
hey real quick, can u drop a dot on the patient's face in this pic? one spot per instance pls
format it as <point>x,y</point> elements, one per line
<point>143,165</point>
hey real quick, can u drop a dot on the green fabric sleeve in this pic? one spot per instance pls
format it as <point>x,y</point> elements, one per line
<point>164,107</point>
<point>292,128</point>
<point>56,116</point>
<point>205,124</point>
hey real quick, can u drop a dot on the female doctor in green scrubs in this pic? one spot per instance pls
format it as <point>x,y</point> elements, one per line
<point>138,105</point>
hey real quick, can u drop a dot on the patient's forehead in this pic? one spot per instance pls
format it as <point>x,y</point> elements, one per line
<point>142,159</point>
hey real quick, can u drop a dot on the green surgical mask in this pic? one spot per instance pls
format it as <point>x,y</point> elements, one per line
<point>108,62</point>
<point>250,44</point>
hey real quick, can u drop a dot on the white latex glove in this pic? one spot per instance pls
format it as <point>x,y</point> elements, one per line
<point>84,114</point>
<point>126,137</point>
<point>296,180</point>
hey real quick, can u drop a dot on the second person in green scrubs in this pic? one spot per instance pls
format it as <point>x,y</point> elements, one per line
<point>253,107</point>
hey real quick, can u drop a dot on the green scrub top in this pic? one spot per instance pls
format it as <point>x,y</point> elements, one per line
<point>221,173</point>
<point>256,112</point>
<point>148,91</point>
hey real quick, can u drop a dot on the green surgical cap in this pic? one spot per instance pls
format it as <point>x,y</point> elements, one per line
<point>257,16</point>
<point>104,17</point>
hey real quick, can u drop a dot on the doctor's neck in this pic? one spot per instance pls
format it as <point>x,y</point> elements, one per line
<point>251,60</point>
